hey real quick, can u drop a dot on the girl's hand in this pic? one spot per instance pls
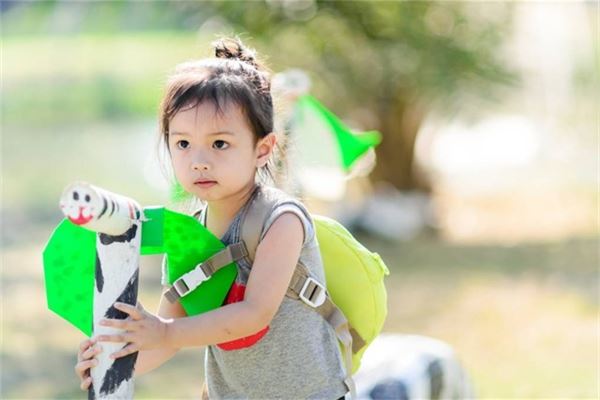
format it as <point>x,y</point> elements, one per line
<point>86,360</point>
<point>143,330</point>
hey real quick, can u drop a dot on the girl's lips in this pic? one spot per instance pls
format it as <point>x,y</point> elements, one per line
<point>205,184</point>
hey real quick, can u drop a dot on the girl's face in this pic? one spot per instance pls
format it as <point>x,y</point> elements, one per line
<point>214,155</point>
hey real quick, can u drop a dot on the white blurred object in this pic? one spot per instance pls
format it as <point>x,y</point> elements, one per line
<point>395,215</point>
<point>314,158</point>
<point>486,157</point>
<point>324,183</point>
<point>407,367</point>
<point>291,83</point>
<point>493,144</point>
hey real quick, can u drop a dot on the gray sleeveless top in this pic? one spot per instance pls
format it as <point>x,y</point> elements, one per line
<point>298,357</point>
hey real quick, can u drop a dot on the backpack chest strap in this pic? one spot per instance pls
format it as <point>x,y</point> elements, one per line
<point>192,279</point>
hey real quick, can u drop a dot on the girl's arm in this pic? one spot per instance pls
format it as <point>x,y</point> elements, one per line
<point>276,258</point>
<point>147,360</point>
<point>151,359</point>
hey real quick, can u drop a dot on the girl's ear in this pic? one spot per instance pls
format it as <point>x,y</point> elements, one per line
<point>264,149</point>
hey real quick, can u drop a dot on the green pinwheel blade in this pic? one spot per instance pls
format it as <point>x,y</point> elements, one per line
<point>153,231</point>
<point>187,243</point>
<point>69,262</point>
<point>351,146</point>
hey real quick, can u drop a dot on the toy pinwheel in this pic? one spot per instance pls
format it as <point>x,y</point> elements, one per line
<point>324,147</point>
<point>350,146</point>
<point>92,261</point>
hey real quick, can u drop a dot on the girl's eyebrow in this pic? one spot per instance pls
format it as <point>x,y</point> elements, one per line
<point>210,134</point>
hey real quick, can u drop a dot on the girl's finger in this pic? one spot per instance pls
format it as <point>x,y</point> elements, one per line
<point>125,324</point>
<point>85,384</point>
<point>133,312</point>
<point>129,349</point>
<point>118,338</point>
<point>83,366</point>
<point>90,352</point>
<point>86,343</point>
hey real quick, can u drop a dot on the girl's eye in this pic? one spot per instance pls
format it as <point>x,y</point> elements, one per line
<point>220,144</point>
<point>182,144</point>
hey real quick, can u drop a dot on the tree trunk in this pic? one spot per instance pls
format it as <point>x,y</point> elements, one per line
<point>400,122</point>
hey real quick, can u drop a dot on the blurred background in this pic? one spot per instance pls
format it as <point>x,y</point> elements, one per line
<point>483,200</point>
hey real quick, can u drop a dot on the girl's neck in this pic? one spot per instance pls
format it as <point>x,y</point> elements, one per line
<point>220,213</point>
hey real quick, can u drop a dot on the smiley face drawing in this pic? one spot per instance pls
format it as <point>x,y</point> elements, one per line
<point>96,209</point>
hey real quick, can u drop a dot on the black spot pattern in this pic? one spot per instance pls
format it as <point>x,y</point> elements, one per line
<point>129,296</point>
<point>436,379</point>
<point>121,370</point>
<point>99,275</point>
<point>390,390</point>
<point>124,238</point>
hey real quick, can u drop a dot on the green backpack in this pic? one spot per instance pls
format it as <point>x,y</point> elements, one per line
<point>351,269</point>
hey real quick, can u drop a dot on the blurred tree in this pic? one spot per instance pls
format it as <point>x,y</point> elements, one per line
<point>385,63</point>
<point>378,64</point>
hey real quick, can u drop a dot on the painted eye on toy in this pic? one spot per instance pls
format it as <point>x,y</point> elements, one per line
<point>75,196</point>
<point>87,198</point>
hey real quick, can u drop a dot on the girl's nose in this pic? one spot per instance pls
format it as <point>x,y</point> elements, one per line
<point>200,166</point>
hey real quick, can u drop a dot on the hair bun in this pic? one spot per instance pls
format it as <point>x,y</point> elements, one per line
<point>234,48</point>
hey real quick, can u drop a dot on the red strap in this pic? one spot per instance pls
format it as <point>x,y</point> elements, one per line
<point>236,294</point>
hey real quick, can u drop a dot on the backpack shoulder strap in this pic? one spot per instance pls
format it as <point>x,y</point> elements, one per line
<point>253,222</point>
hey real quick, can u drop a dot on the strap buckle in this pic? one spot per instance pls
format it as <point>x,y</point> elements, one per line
<point>186,283</point>
<point>190,281</point>
<point>317,294</point>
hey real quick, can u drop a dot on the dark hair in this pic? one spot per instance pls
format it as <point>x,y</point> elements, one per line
<point>234,76</point>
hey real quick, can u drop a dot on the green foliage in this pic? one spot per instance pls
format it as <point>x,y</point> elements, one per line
<point>100,98</point>
<point>51,17</point>
<point>58,79</point>
<point>438,53</point>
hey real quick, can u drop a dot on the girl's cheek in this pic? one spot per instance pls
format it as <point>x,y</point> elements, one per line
<point>177,168</point>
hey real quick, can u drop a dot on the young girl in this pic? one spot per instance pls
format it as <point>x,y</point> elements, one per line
<point>217,122</point>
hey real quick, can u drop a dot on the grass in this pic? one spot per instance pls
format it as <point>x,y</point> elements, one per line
<point>522,319</point>
<point>522,328</point>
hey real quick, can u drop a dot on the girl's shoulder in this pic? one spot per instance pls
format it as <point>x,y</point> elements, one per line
<point>275,202</point>
<point>274,196</point>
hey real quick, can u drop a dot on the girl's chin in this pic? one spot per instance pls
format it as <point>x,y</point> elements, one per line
<point>206,194</point>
